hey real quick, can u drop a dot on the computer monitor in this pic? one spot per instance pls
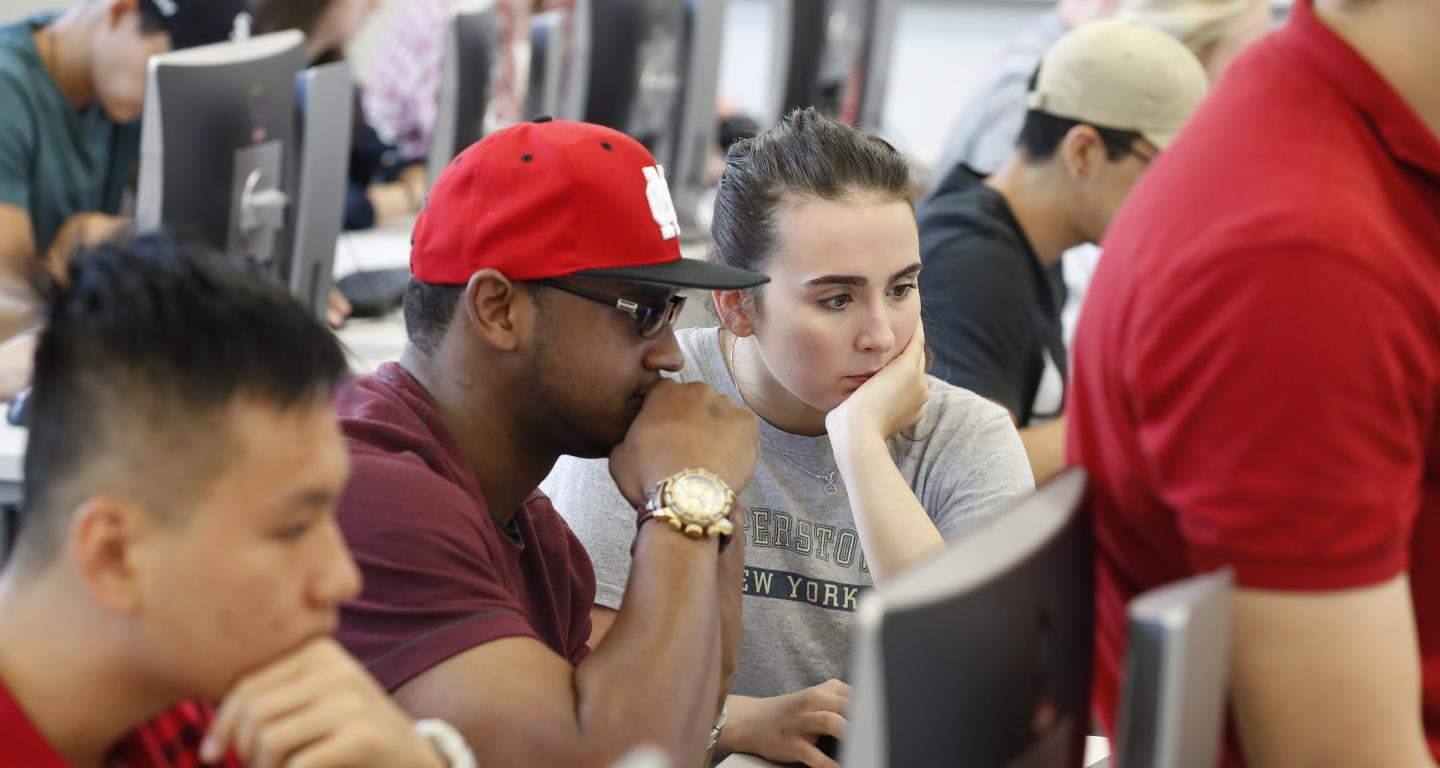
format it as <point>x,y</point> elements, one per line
<point>981,655</point>
<point>696,127</point>
<point>326,110</point>
<point>1172,710</point>
<point>468,71</point>
<point>548,50</point>
<point>217,146</point>
<point>834,55</point>
<point>638,46</point>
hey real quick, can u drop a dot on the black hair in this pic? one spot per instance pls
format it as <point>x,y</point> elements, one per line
<point>145,340</point>
<point>1042,133</point>
<point>805,155</point>
<point>428,308</point>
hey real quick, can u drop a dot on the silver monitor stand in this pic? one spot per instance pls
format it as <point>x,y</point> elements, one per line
<point>326,110</point>
<point>1172,711</point>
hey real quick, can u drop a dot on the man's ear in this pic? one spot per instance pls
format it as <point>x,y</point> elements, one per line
<point>733,311</point>
<point>1082,151</point>
<point>497,309</point>
<point>104,538</point>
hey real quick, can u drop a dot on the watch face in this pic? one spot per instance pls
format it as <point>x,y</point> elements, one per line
<point>698,498</point>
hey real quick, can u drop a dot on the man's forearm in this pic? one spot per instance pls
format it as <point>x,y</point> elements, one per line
<point>655,677</point>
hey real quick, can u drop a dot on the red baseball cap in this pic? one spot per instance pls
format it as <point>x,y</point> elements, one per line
<point>554,198</point>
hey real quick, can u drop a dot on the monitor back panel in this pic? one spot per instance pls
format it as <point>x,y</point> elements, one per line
<point>982,655</point>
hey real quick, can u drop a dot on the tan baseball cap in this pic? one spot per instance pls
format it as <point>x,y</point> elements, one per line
<point>1121,74</point>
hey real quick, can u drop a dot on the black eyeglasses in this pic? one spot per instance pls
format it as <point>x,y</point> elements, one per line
<point>1145,157</point>
<point>649,318</point>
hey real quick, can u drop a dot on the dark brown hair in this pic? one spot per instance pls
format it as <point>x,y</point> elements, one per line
<point>805,155</point>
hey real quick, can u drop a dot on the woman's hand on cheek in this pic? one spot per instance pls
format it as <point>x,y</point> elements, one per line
<point>892,400</point>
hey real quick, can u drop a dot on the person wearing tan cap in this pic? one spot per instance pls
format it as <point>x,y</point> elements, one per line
<point>1106,100</point>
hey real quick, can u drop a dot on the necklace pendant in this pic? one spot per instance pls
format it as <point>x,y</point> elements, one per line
<point>831,488</point>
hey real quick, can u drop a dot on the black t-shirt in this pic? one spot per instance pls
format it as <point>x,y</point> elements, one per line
<point>991,309</point>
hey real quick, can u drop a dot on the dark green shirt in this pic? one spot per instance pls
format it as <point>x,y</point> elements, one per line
<point>55,161</point>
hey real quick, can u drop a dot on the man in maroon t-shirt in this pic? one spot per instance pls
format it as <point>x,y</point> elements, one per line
<point>178,539</point>
<point>545,268</point>
<point>1257,385</point>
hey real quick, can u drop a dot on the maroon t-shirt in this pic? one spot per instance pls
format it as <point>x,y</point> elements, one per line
<point>441,575</point>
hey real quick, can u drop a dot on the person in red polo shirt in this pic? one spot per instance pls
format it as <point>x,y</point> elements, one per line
<point>178,538</point>
<point>1257,385</point>
<point>545,275</point>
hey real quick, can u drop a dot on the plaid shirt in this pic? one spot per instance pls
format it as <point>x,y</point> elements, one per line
<point>171,740</point>
<point>402,88</point>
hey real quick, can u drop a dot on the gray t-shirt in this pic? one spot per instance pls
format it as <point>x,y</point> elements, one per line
<point>55,161</point>
<point>804,568</point>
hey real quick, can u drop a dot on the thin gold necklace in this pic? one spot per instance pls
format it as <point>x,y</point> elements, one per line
<point>728,358</point>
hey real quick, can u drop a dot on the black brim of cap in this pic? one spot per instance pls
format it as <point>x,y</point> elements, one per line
<point>684,273</point>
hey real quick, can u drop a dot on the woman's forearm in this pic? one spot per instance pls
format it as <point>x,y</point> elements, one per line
<point>895,531</point>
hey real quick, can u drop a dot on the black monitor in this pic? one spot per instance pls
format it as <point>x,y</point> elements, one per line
<point>625,68</point>
<point>834,55</point>
<point>468,71</point>
<point>981,655</point>
<point>660,61</point>
<point>1177,659</point>
<point>659,68</point>
<point>217,146</point>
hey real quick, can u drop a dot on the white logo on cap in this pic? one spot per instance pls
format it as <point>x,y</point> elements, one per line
<point>657,191</point>
<point>166,7</point>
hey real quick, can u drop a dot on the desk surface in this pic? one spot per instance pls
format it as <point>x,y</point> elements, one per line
<point>1097,749</point>
<point>12,453</point>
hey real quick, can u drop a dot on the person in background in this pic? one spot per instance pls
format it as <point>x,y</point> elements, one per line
<point>866,464</point>
<point>537,330</point>
<point>1107,99</point>
<point>1257,386</point>
<point>72,85</point>
<point>984,137</point>
<point>382,186</point>
<point>178,543</point>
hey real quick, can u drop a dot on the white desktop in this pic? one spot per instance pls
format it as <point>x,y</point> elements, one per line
<point>1097,752</point>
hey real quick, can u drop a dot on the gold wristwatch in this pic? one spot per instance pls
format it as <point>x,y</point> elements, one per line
<point>694,502</point>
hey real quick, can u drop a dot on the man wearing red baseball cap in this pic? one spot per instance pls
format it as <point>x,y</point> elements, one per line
<point>544,275</point>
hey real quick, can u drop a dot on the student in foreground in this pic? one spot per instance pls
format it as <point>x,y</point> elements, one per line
<point>545,274</point>
<point>1257,385</point>
<point>178,540</point>
<point>866,463</point>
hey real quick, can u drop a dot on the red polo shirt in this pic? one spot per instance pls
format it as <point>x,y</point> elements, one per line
<point>1257,369</point>
<point>20,742</point>
<point>171,740</point>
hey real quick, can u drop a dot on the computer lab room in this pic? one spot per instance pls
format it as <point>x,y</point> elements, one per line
<point>739,383</point>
